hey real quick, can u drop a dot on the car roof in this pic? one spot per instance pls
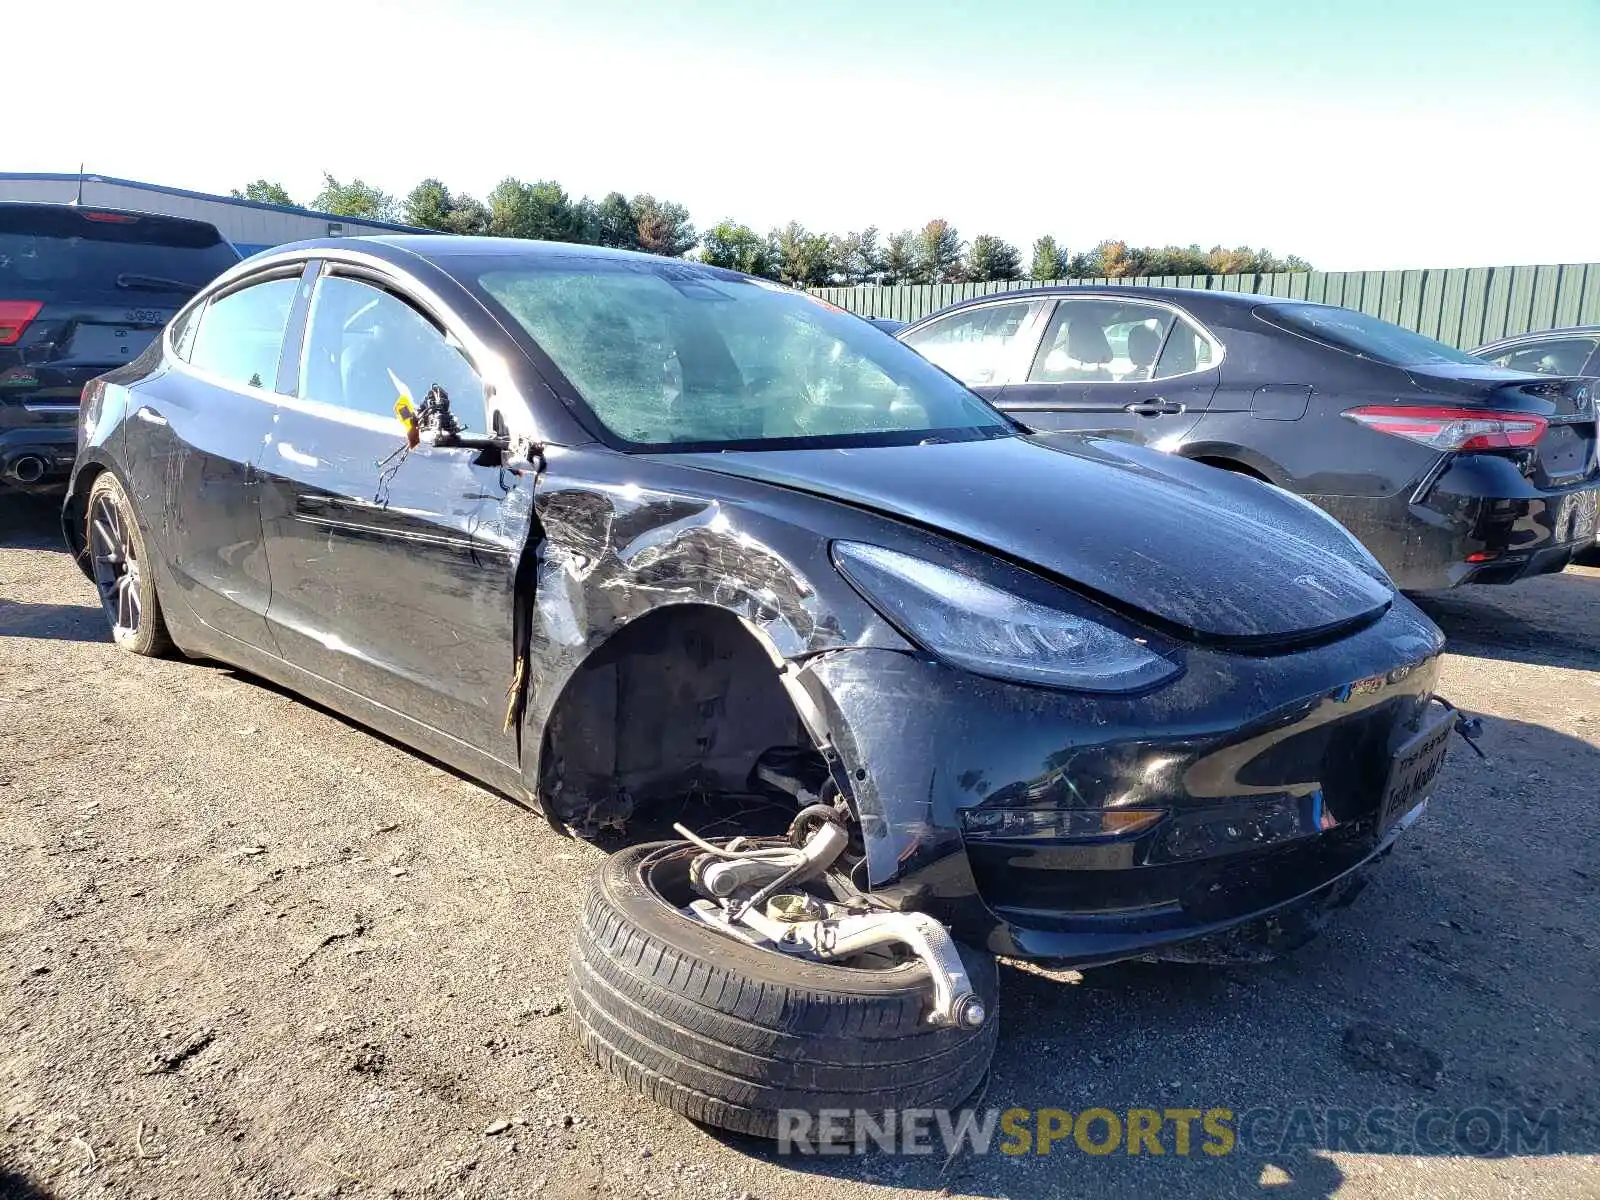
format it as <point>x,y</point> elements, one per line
<point>438,250</point>
<point>1560,331</point>
<point>436,247</point>
<point>1188,297</point>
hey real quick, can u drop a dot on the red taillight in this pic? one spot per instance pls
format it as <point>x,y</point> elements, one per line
<point>110,218</point>
<point>16,316</point>
<point>1453,428</point>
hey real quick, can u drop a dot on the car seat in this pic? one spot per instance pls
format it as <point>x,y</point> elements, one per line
<point>1144,344</point>
<point>1088,347</point>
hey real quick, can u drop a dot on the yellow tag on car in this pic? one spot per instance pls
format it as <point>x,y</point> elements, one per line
<point>407,417</point>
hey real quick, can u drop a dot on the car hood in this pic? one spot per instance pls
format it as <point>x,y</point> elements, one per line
<point>1212,556</point>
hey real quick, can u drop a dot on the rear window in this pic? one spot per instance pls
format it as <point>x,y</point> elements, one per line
<point>74,252</point>
<point>1364,336</point>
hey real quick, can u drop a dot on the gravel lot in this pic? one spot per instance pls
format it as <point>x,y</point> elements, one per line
<point>248,949</point>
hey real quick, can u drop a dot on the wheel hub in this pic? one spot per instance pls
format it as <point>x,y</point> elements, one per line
<point>114,565</point>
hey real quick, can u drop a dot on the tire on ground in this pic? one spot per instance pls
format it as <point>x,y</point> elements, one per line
<point>151,639</point>
<point>729,1034</point>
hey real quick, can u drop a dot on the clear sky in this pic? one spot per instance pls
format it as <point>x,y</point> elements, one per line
<point>1356,133</point>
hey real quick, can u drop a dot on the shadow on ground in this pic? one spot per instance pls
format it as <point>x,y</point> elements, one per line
<point>53,622</point>
<point>1539,621</point>
<point>30,520</point>
<point>18,1187</point>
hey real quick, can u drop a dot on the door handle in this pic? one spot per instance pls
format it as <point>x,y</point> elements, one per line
<point>150,416</point>
<point>1155,408</point>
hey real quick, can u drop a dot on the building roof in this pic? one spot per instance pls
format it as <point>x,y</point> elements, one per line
<point>162,189</point>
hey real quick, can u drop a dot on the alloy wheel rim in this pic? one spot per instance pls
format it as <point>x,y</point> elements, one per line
<point>115,566</point>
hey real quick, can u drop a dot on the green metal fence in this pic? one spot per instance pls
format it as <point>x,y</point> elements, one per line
<point>1465,306</point>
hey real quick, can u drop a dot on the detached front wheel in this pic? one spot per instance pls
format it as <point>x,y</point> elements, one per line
<point>730,1034</point>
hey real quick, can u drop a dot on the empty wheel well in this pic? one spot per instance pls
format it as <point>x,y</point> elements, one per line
<point>681,703</point>
<point>76,513</point>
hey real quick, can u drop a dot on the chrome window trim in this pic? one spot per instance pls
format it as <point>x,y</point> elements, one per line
<point>372,421</point>
<point>500,391</point>
<point>1523,340</point>
<point>945,314</point>
<point>236,284</point>
<point>1026,338</point>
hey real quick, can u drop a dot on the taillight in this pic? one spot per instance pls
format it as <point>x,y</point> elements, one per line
<point>1453,428</point>
<point>16,316</point>
<point>110,218</point>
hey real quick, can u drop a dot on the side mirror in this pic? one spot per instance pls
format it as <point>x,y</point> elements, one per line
<point>438,426</point>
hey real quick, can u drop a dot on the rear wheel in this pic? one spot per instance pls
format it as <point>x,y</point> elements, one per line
<point>120,569</point>
<point>730,1034</point>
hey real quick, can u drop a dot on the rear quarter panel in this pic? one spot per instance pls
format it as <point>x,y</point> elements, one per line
<point>1319,453</point>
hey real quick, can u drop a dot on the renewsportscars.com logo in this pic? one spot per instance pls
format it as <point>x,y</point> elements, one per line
<point>1168,1132</point>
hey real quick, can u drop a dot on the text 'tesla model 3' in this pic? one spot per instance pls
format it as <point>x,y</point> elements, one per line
<point>606,531</point>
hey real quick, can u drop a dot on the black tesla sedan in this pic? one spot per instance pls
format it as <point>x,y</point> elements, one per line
<point>1449,470</point>
<point>606,531</point>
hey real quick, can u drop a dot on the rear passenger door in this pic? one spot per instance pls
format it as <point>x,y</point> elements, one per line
<point>193,441</point>
<point>983,345</point>
<point>1129,369</point>
<point>382,582</point>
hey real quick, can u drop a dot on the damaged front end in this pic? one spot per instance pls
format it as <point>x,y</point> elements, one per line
<point>718,645</point>
<point>788,897</point>
<point>1089,829</point>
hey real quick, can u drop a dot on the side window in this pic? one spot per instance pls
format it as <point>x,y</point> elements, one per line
<point>1101,341</point>
<point>365,347</point>
<point>240,335</point>
<point>1563,356</point>
<point>972,344</point>
<point>184,329</point>
<point>1187,349</point>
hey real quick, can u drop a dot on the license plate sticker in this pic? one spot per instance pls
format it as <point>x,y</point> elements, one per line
<point>1413,770</point>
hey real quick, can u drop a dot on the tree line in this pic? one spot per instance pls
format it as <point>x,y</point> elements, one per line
<point>793,254</point>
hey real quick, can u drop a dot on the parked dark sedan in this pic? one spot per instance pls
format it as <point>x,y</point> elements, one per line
<point>606,531</point>
<point>1448,470</point>
<point>82,290</point>
<point>1573,350</point>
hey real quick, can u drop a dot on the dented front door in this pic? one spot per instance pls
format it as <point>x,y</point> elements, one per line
<point>390,576</point>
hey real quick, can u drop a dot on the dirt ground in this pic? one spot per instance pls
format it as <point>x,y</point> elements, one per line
<point>248,949</point>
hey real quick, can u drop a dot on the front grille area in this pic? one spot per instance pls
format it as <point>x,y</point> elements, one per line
<point>1323,765</point>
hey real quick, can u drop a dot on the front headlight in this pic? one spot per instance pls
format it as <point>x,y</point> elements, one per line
<point>992,631</point>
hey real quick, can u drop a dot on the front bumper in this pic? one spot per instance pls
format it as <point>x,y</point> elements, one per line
<point>923,749</point>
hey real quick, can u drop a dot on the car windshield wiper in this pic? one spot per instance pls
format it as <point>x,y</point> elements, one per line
<point>130,279</point>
